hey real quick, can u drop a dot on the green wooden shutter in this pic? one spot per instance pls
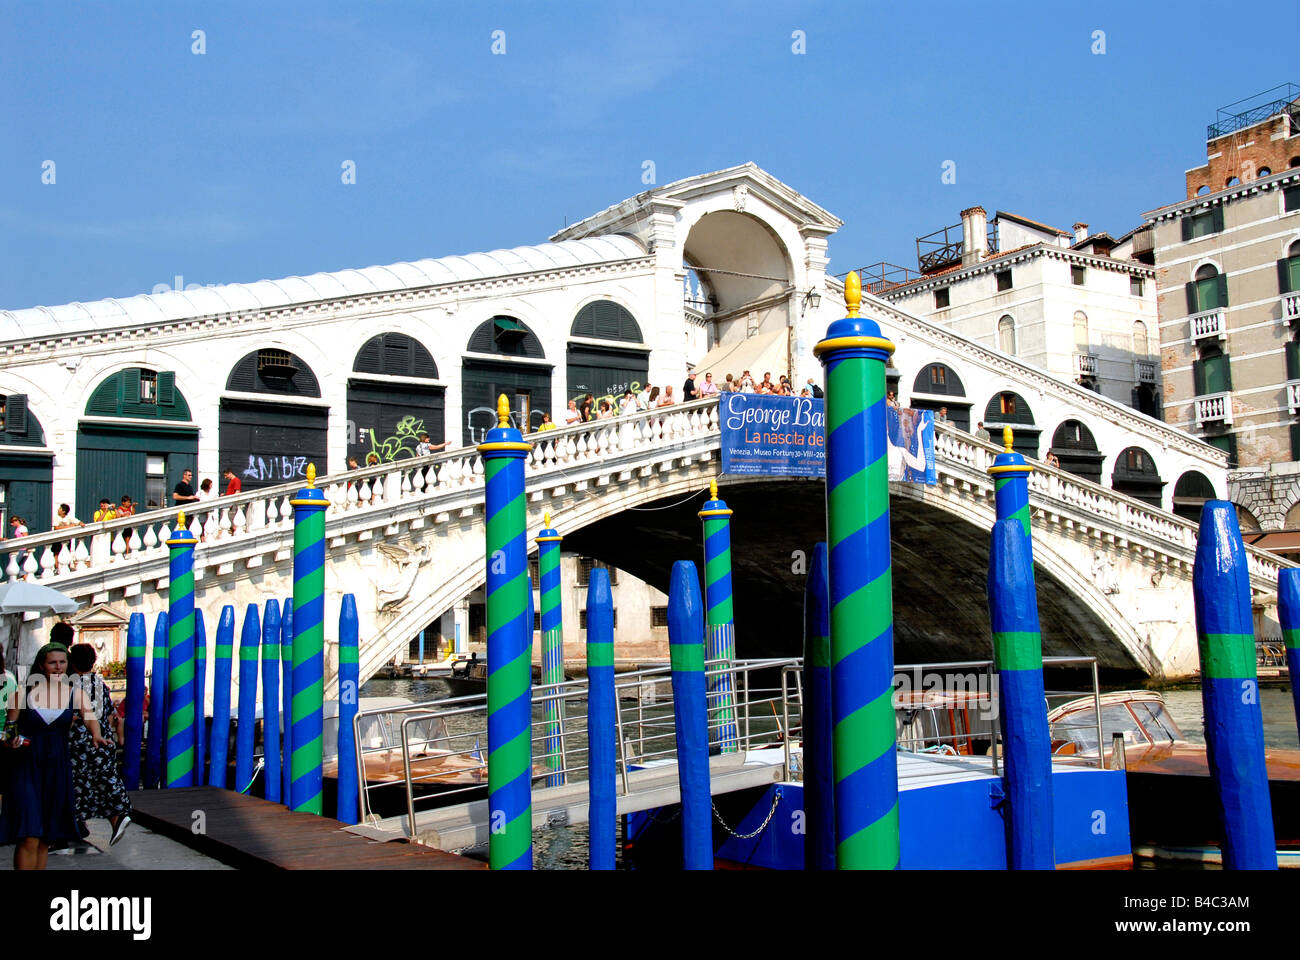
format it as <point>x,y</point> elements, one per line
<point>1295,441</point>
<point>1216,218</point>
<point>128,393</point>
<point>1293,281</point>
<point>1187,226</point>
<point>16,415</point>
<point>1191,297</point>
<point>1284,276</point>
<point>1292,360</point>
<point>166,388</point>
<point>1221,282</point>
<point>1198,377</point>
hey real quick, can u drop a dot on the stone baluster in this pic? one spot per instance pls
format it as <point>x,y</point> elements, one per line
<point>272,513</point>
<point>239,522</point>
<point>12,571</point>
<point>119,545</point>
<point>476,474</point>
<point>48,563</point>
<point>286,513</point>
<point>30,566</point>
<point>81,552</point>
<point>210,526</point>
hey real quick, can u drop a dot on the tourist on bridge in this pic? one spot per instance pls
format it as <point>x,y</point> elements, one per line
<point>643,398</point>
<point>628,404</point>
<point>746,383</point>
<point>942,416</point>
<point>105,512</point>
<point>708,388</point>
<point>688,388</point>
<point>126,509</point>
<point>572,415</point>
<point>1053,460</point>
<point>39,807</point>
<point>98,791</point>
<point>981,433</point>
<point>606,411</point>
<point>183,492</point>
<point>815,390</point>
<point>233,484</point>
<point>547,424</point>
<point>427,447</point>
<point>588,405</point>
<point>667,399</point>
<point>653,400</point>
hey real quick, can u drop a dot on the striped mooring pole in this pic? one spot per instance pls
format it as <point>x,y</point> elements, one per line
<point>509,648</point>
<point>246,732</point>
<point>154,752</point>
<point>1018,656</point>
<point>854,354</point>
<point>602,725</point>
<point>721,636</point>
<point>271,699</point>
<point>308,645</point>
<point>1288,611</point>
<point>548,570</point>
<point>180,657</point>
<point>1234,724</point>
<point>133,732</point>
<point>349,685</point>
<point>200,695</point>
<point>286,700</point>
<point>818,730</point>
<point>690,714</point>
<point>219,743</point>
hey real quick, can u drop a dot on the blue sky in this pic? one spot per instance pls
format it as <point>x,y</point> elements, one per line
<point>226,166</point>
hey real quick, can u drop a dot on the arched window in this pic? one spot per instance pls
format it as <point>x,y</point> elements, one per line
<point>1203,189</point>
<point>1264,172</point>
<point>1136,476</point>
<point>1140,346</point>
<point>605,320</point>
<point>940,380</point>
<point>1190,493</point>
<point>1010,409</point>
<point>271,370</point>
<point>506,336</point>
<point>1288,270</point>
<point>1232,182</point>
<point>1081,338</point>
<point>1075,447</point>
<point>1007,335</point>
<point>395,355</point>
<point>1208,290</point>
<point>386,416</point>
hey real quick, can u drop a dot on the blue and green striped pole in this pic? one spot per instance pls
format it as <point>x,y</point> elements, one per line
<point>548,570</point>
<point>271,699</point>
<point>721,642</point>
<point>250,639</point>
<point>133,733</point>
<point>286,700</point>
<point>154,752</point>
<point>602,724</point>
<point>1010,473</point>
<point>308,645</point>
<point>1018,656</point>
<point>818,730</point>
<point>854,354</point>
<point>180,657</point>
<point>1234,725</point>
<point>219,746</point>
<point>200,695</point>
<point>509,648</point>
<point>690,714</point>
<point>1288,611</point>
<point>349,684</point>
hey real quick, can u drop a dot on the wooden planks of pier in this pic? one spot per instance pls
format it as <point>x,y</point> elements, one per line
<point>251,833</point>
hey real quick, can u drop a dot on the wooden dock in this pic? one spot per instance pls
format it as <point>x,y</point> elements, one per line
<point>251,833</point>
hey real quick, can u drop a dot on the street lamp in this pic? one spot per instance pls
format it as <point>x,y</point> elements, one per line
<point>811,301</point>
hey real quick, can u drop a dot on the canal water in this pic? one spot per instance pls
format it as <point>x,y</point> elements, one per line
<point>564,847</point>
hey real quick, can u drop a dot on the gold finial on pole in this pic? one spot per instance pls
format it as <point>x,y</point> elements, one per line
<point>311,476</point>
<point>713,489</point>
<point>546,519</point>
<point>1006,440</point>
<point>180,520</point>
<point>503,411</point>
<point>853,292</point>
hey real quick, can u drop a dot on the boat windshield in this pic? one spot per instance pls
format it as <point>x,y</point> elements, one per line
<point>1160,726</point>
<point>1080,727</point>
<point>383,731</point>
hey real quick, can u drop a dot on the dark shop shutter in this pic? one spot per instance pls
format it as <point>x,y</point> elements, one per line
<point>16,415</point>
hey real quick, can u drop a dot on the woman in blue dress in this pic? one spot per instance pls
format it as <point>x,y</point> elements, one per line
<point>38,799</point>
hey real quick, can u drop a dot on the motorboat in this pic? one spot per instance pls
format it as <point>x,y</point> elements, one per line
<point>1172,800</point>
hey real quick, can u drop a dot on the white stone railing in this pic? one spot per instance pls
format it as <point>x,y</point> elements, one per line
<point>1291,306</point>
<point>1293,395</point>
<point>1123,517</point>
<point>102,546</point>
<point>1086,364</point>
<point>1208,323</point>
<point>1216,408</point>
<point>1146,371</point>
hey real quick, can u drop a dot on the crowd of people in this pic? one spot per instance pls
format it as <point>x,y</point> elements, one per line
<point>58,762</point>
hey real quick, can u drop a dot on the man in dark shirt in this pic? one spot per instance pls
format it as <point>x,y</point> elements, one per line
<point>183,492</point>
<point>688,388</point>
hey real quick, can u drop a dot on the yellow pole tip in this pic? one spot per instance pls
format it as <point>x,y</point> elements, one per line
<point>853,292</point>
<point>180,520</point>
<point>546,519</point>
<point>311,475</point>
<point>713,489</point>
<point>503,411</point>
<point>1006,440</point>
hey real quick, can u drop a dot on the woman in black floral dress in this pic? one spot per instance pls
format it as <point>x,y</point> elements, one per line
<point>98,788</point>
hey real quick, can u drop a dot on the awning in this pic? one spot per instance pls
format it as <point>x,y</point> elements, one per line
<point>1284,542</point>
<point>507,324</point>
<point>759,354</point>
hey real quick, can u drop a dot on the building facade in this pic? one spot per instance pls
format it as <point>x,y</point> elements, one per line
<point>1228,277</point>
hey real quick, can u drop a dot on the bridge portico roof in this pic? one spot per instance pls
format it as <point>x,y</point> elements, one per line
<point>196,301</point>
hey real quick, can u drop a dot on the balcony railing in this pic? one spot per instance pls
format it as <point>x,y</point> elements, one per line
<point>1216,408</point>
<point>1086,364</point>
<point>1293,395</point>
<point>1290,306</point>
<point>1146,371</point>
<point>1208,323</point>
